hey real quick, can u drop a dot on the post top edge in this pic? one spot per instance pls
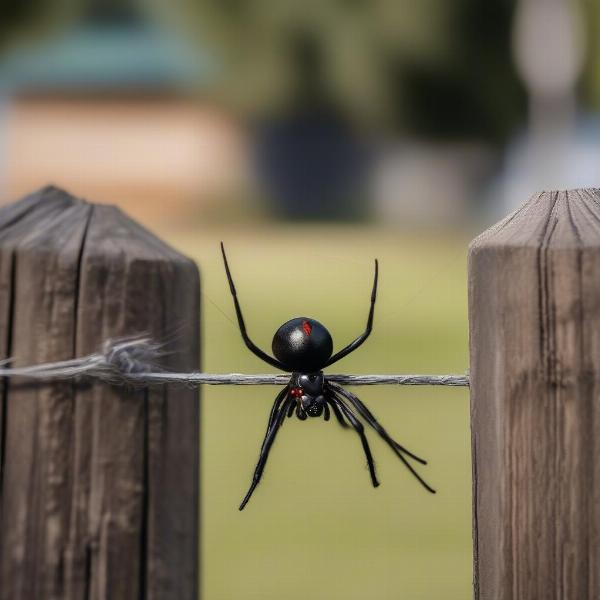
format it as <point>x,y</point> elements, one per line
<point>111,231</point>
<point>566,218</point>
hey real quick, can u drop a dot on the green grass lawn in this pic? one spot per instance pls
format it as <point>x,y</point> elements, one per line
<point>315,529</point>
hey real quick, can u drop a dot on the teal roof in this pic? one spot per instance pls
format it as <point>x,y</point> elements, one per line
<point>107,58</point>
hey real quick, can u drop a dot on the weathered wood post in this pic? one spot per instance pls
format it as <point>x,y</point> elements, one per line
<point>98,484</point>
<point>534,304</point>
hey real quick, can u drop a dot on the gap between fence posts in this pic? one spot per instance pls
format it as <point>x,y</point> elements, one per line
<point>534,307</point>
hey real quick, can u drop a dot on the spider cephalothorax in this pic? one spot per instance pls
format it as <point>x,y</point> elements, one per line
<point>308,389</point>
<point>304,347</point>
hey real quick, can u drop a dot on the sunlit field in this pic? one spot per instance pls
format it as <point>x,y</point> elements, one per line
<point>315,529</point>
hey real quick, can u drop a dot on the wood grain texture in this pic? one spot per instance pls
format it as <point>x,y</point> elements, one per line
<point>534,306</point>
<point>99,484</point>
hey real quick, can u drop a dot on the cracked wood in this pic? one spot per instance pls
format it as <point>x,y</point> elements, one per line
<point>534,306</point>
<point>98,484</point>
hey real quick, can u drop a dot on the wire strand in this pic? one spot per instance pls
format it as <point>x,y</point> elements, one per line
<point>133,361</point>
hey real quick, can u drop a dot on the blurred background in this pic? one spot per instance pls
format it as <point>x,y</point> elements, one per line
<point>312,136</point>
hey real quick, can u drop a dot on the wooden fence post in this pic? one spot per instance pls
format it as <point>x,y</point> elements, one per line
<point>98,484</point>
<point>534,305</point>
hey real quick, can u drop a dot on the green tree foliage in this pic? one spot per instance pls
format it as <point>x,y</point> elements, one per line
<point>475,91</point>
<point>591,79</point>
<point>30,19</point>
<point>432,67</point>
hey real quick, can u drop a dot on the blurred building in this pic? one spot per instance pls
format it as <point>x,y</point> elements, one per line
<point>109,109</point>
<point>405,112</point>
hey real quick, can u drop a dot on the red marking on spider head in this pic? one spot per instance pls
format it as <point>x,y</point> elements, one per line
<point>296,392</point>
<point>307,327</point>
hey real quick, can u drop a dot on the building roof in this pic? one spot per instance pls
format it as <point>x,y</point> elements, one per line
<point>96,58</point>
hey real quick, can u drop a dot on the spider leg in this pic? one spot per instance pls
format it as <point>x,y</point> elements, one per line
<point>290,410</point>
<point>337,412</point>
<point>275,409</point>
<point>398,453</point>
<point>368,416</point>
<point>264,453</point>
<point>238,311</point>
<point>358,427</point>
<point>326,413</point>
<point>361,338</point>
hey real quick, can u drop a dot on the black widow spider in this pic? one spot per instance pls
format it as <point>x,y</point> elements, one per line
<point>304,347</point>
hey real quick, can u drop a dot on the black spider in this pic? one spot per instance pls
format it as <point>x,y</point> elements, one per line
<point>304,347</point>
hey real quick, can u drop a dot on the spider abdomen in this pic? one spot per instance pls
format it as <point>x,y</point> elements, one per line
<point>303,344</point>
